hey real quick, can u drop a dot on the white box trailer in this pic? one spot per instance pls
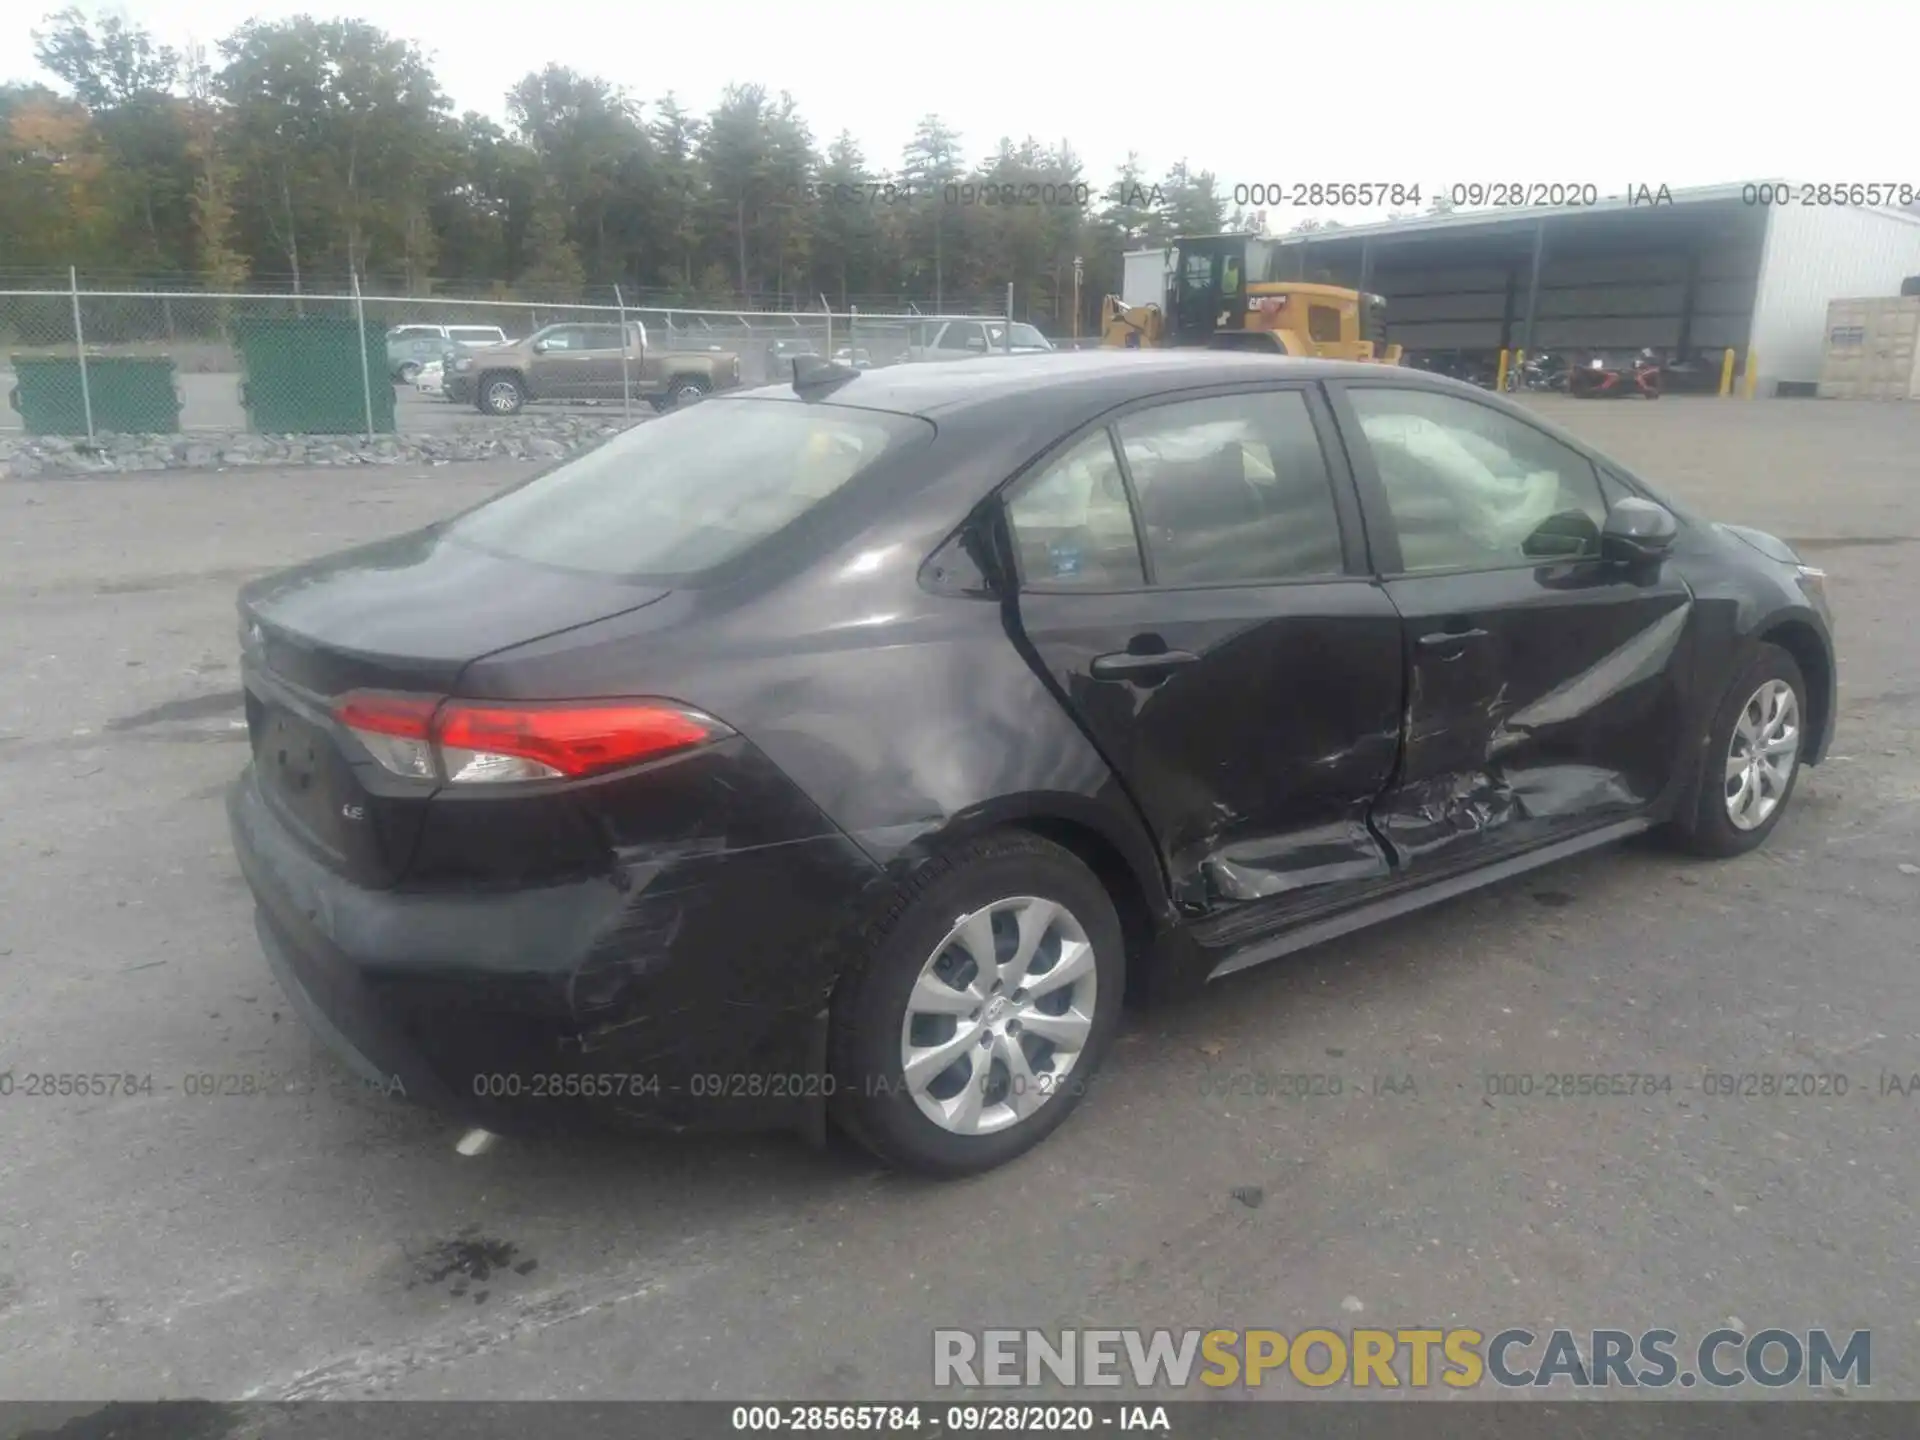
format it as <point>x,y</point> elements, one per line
<point>1873,349</point>
<point>1143,277</point>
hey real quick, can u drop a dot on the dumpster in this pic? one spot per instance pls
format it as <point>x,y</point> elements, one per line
<point>308,375</point>
<point>131,396</point>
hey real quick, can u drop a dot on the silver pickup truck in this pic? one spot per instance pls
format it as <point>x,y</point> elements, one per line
<point>957,339</point>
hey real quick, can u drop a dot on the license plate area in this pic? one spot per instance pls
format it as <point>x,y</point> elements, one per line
<point>302,770</point>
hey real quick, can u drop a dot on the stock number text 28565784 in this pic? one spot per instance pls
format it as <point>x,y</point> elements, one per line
<point>1364,193</point>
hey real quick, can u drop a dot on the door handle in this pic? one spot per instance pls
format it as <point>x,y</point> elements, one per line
<point>1125,664</point>
<point>1440,639</point>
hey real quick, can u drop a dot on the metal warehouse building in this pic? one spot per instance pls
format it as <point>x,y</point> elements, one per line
<point>1707,269</point>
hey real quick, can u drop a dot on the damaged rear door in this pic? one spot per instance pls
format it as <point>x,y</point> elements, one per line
<point>1195,586</point>
<point>1544,685</point>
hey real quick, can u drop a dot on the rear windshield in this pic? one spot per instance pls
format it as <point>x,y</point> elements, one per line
<point>689,491</point>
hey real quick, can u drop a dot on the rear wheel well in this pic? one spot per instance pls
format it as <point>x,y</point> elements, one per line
<point>1117,877</point>
<point>1800,640</point>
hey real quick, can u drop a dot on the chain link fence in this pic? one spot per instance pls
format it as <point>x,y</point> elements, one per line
<point>90,362</point>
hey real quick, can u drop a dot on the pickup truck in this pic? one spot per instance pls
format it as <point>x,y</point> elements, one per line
<point>957,339</point>
<point>572,361</point>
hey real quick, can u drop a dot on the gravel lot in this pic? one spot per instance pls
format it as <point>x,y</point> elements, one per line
<point>212,402</point>
<point>313,1241</point>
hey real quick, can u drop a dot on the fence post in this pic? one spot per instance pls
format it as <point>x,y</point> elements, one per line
<point>626,383</point>
<point>853,338</point>
<point>829,309</point>
<point>80,349</point>
<point>366,372</point>
<point>1009,317</point>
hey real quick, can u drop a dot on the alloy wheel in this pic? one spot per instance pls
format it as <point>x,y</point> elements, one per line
<point>1000,1015</point>
<point>1761,754</point>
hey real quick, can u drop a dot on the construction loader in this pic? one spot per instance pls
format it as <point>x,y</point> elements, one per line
<point>1219,295</point>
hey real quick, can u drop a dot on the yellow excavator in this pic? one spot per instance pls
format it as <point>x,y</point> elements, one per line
<point>1219,295</point>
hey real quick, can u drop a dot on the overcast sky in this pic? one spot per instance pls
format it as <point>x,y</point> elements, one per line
<point>1464,90</point>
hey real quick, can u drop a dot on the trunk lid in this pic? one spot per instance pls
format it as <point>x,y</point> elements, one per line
<point>407,614</point>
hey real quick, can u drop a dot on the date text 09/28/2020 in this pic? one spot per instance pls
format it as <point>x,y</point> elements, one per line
<point>800,1085</point>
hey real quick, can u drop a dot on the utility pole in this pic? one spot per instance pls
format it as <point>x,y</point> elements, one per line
<point>740,229</point>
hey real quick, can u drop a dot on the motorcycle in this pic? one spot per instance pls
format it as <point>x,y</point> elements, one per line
<point>1616,378</point>
<point>1546,371</point>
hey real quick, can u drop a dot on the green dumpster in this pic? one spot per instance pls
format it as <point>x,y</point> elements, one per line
<point>308,375</point>
<point>130,396</point>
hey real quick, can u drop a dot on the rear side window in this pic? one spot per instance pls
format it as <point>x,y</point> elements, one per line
<point>957,336</point>
<point>689,491</point>
<point>1071,523</point>
<point>1233,490</point>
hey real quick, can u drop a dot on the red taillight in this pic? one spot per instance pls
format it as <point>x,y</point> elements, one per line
<point>407,717</point>
<point>574,740</point>
<point>473,742</point>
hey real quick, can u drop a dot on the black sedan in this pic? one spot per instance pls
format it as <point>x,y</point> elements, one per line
<point>847,751</point>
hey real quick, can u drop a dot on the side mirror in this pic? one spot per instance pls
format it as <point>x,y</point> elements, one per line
<point>1637,531</point>
<point>539,347</point>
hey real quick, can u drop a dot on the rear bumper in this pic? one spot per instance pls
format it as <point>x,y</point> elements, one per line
<point>686,994</point>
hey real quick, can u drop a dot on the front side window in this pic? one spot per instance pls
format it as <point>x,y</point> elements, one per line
<point>1023,335</point>
<point>689,491</point>
<point>1071,523</point>
<point>1233,490</point>
<point>567,337</point>
<point>1471,488</point>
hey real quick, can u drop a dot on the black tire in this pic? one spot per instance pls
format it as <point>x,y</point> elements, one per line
<point>871,1100</point>
<point>499,392</point>
<point>685,389</point>
<point>1712,832</point>
<point>409,373</point>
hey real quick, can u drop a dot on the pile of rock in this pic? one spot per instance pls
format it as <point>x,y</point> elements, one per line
<point>525,437</point>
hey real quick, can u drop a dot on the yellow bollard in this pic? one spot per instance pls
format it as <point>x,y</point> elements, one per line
<point>1500,378</point>
<point>1726,374</point>
<point>1753,375</point>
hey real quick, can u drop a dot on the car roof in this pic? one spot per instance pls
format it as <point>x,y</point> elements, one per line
<point>1099,378</point>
